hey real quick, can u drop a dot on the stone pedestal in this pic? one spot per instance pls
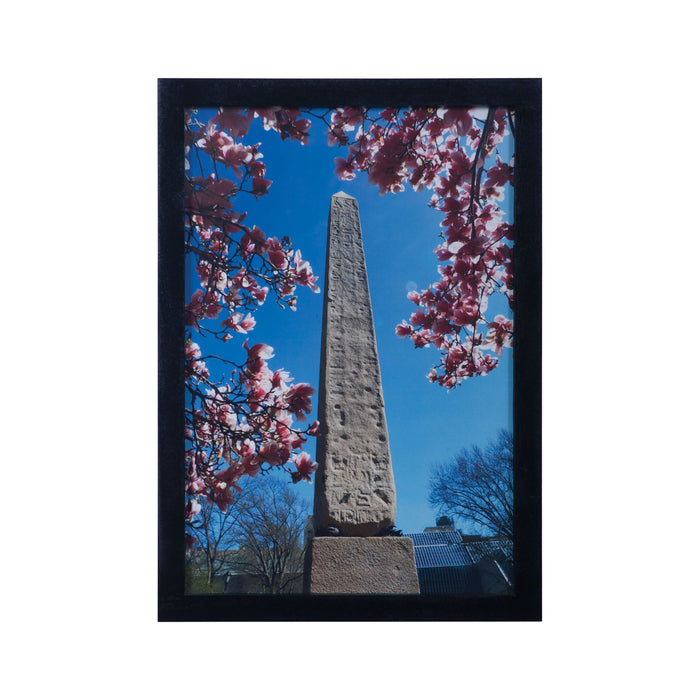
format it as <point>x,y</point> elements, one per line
<point>361,566</point>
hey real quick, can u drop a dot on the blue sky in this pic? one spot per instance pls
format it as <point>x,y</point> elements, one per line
<point>427,425</point>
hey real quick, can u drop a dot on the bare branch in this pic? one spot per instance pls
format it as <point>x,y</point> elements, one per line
<point>477,486</point>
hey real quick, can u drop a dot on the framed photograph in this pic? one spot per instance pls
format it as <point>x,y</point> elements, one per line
<point>349,349</point>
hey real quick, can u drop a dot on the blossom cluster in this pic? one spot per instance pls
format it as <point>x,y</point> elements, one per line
<point>452,151</point>
<point>238,264</point>
<point>243,424</point>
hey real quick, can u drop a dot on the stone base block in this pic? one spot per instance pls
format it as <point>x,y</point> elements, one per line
<point>361,566</point>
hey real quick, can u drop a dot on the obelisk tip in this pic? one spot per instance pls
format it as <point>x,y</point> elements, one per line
<point>342,194</point>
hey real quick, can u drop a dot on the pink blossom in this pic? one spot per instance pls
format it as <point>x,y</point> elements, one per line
<point>268,115</point>
<point>404,329</point>
<point>467,313</point>
<point>192,508</point>
<point>213,140</point>
<point>297,441</point>
<point>457,119</point>
<point>192,350</point>
<point>443,253</point>
<point>300,131</point>
<point>193,310</point>
<point>221,495</point>
<point>235,156</point>
<point>260,294</point>
<point>245,447</point>
<point>298,398</point>
<point>305,467</point>
<point>256,396</point>
<point>475,246</point>
<point>455,356</point>
<point>501,174</point>
<point>276,254</point>
<point>344,169</point>
<point>417,318</point>
<point>235,122</point>
<point>230,475</point>
<point>258,237</point>
<point>500,334</point>
<point>260,186</point>
<point>259,351</point>
<point>473,137</point>
<point>228,417</point>
<point>279,378</point>
<point>441,326</point>
<point>304,275</point>
<point>239,324</point>
<point>336,136</point>
<point>350,116</point>
<point>251,464</point>
<point>273,453</point>
<point>421,338</point>
<point>489,218</point>
<point>211,304</point>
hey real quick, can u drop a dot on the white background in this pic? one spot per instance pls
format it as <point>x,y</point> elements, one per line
<point>79,289</point>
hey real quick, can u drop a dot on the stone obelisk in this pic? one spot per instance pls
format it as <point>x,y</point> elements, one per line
<point>355,497</point>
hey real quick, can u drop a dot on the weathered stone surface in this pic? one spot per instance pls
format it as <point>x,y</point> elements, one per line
<point>354,488</point>
<point>361,565</point>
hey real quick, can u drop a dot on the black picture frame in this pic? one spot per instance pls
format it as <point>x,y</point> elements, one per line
<point>522,95</point>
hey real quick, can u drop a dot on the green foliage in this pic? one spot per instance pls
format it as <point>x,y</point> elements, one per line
<point>196,582</point>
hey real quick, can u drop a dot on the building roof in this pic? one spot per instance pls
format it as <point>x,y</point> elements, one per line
<point>448,565</point>
<point>434,537</point>
<point>431,556</point>
<point>498,549</point>
<point>445,548</point>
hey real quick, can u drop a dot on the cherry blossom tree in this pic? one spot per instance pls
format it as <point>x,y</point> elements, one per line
<point>244,422</point>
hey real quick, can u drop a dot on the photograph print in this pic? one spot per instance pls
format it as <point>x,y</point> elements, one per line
<point>352,271</point>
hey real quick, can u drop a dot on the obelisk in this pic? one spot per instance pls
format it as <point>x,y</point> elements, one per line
<point>355,497</point>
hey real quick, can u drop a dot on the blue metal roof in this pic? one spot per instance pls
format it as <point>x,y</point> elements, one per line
<point>442,555</point>
<point>445,548</point>
<point>498,549</point>
<point>446,564</point>
<point>436,537</point>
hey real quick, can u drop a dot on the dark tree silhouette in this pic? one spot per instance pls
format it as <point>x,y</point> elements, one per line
<point>215,538</point>
<point>260,534</point>
<point>477,486</point>
<point>269,529</point>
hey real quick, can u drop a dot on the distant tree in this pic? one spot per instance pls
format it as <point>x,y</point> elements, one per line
<point>215,539</point>
<point>270,517</point>
<point>444,521</point>
<point>477,486</point>
<point>260,533</point>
